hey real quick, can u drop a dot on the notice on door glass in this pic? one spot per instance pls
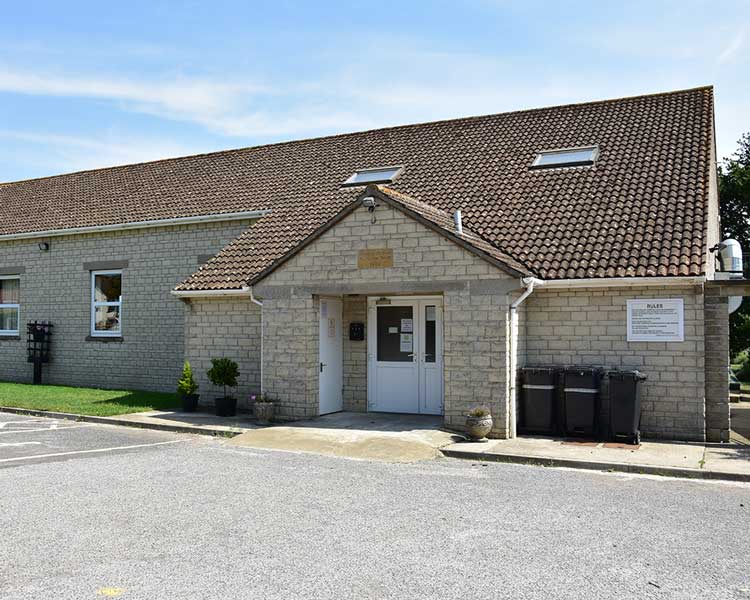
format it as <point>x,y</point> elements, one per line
<point>406,342</point>
<point>331,328</point>
<point>407,325</point>
<point>656,320</point>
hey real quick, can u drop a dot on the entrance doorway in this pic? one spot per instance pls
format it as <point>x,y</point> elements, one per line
<point>405,355</point>
<point>331,358</point>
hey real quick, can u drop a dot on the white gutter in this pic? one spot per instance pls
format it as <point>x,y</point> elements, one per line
<point>244,291</point>
<point>611,282</point>
<point>254,300</point>
<point>214,218</point>
<point>529,283</point>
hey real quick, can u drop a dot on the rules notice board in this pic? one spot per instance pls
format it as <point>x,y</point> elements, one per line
<point>658,320</point>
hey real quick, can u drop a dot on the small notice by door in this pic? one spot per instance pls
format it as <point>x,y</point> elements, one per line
<point>393,330</point>
<point>406,344</point>
<point>656,320</point>
<point>375,258</point>
<point>331,328</point>
<point>407,326</point>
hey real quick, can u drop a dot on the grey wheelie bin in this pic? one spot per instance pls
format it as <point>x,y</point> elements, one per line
<point>625,406</point>
<point>581,400</point>
<point>538,400</point>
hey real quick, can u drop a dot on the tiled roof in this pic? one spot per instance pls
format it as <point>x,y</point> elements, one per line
<point>641,210</point>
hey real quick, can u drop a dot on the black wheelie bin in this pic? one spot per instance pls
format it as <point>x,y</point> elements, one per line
<point>538,399</point>
<point>581,400</point>
<point>625,406</point>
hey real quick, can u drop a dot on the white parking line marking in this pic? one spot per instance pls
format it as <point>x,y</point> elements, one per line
<point>19,444</point>
<point>7,460</point>
<point>47,429</point>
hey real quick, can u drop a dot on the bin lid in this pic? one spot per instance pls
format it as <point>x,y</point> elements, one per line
<point>542,369</point>
<point>628,374</point>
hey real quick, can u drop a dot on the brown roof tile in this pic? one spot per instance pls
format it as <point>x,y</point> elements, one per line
<point>641,210</point>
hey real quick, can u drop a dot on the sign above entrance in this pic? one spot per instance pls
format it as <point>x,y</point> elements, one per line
<point>375,258</point>
<point>656,320</point>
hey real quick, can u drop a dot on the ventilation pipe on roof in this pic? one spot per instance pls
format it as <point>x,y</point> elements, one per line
<point>459,223</point>
<point>254,300</point>
<point>529,283</point>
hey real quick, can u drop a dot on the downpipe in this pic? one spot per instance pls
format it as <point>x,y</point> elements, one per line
<point>254,300</point>
<point>529,283</point>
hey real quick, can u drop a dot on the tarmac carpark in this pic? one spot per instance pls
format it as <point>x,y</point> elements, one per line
<point>94,510</point>
<point>27,439</point>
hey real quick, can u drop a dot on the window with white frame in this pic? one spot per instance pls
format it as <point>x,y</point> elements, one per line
<point>10,304</point>
<point>106,303</point>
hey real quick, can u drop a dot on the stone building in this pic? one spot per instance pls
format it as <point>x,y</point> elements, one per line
<point>411,269</point>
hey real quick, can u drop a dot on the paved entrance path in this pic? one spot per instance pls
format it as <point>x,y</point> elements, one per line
<point>202,519</point>
<point>372,436</point>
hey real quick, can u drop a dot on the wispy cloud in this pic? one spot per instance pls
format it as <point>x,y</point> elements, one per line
<point>187,98</point>
<point>75,153</point>
<point>732,48</point>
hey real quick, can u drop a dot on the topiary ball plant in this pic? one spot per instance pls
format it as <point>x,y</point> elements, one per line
<point>223,373</point>
<point>186,385</point>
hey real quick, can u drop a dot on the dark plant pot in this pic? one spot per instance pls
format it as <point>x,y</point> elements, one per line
<point>226,407</point>
<point>264,412</point>
<point>190,403</point>
<point>479,427</point>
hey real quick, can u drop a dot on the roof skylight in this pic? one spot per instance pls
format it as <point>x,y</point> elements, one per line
<point>570,157</point>
<point>377,175</point>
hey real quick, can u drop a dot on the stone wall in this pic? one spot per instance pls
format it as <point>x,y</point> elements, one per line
<point>56,287</point>
<point>224,327</point>
<point>475,312</point>
<point>590,327</point>
<point>290,354</point>
<point>355,355</point>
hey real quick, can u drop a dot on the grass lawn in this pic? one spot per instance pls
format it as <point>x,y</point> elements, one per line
<point>83,401</point>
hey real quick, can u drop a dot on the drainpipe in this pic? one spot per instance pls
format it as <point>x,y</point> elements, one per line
<point>529,283</point>
<point>259,303</point>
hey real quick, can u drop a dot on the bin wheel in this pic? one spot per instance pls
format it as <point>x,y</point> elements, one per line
<point>637,438</point>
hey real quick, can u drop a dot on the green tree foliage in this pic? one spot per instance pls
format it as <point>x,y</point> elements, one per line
<point>186,385</point>
<point>734,193</point>
<point>223,373</point>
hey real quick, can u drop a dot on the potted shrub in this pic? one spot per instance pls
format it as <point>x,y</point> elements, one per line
<point>186,388</point>
<point>479,423</point>
<point>223,373</point>
<point>264,408</point>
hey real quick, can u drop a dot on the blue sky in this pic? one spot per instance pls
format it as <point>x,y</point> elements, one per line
<point>92,84</point>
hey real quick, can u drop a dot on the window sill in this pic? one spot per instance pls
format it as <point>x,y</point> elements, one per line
<point>9,336</point>
<point>103,338</point>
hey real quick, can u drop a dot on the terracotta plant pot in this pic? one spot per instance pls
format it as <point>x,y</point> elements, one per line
<point>479,427</point>
<point>226,407</point>
<point>264,412</point>
<point>190,403</point>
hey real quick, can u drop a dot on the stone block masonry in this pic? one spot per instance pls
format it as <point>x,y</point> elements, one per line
<point>475,313</point>
<point>224,327</point>
<point>56,287</point>
<point>569,327</point>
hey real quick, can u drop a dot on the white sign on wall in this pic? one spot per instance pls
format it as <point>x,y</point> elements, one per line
<point>656,320</point>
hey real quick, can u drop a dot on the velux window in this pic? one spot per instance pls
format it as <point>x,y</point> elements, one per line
<point>106,303</point>
<point>378,175</point>
<point>570,157</point>
<point>10,304</point>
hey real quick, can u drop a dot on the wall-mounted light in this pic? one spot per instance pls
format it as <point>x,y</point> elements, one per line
<point>44,246</point>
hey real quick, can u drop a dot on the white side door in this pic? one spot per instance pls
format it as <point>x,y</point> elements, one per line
<point>393,367</point>
<point>331,365</point>
<point>431,357</point>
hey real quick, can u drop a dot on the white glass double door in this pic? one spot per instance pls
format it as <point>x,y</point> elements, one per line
<point>405,355</point>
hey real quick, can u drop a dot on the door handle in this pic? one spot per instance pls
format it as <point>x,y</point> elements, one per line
<point>321,366</point>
